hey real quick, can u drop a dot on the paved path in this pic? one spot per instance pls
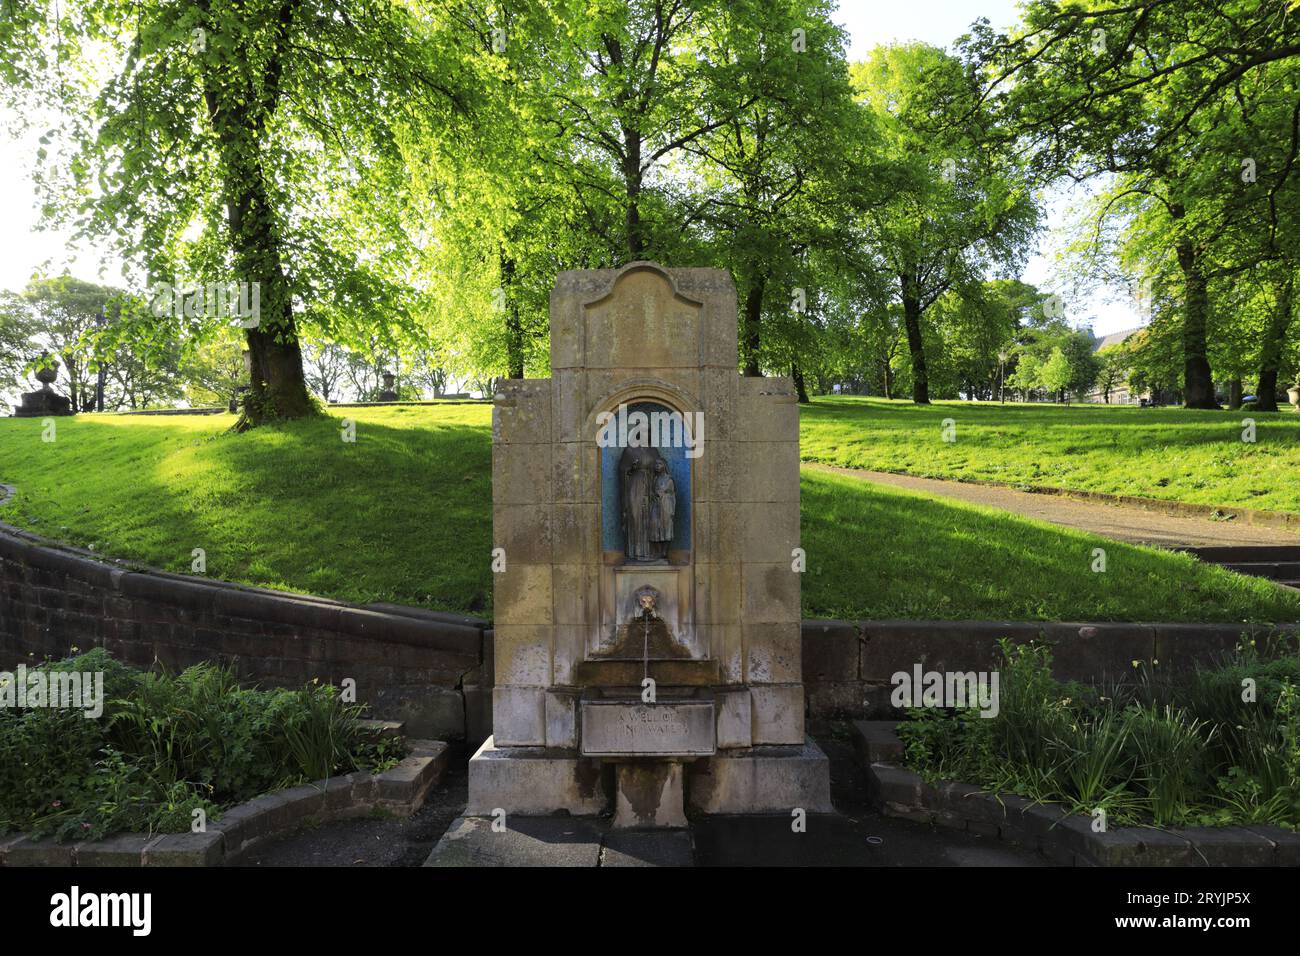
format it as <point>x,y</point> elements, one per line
<point>856,836</point>
<point>1121,522</point>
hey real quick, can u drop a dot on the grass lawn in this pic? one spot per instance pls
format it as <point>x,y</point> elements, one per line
<point>1195,456</point>
<point>403,515</point>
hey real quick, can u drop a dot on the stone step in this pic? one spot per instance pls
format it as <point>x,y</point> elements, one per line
<point>1246,554</point>
<point>1277,570</point>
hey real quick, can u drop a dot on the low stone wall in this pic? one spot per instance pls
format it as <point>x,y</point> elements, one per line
<point>408,664</point>
<point>1065,838</point>
<point>436,671</point>
<point>400,791</point>
<point>847,665</point>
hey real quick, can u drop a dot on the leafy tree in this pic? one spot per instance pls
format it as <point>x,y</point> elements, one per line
<point>325,366</point>
<point>1027,375</point>
<point>1056,373</point>
<point>780,176</point>
<point>17,329</point>
<point>1113,368</point>
<point>62,316</point>
<point>267,126</point>
<point>958,205</point>
<point>213,373</point>
<point>1163,100</point>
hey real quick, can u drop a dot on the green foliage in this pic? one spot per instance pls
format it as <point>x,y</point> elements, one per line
<point>956,204</point>
<point>1174,752</point>
<point>167,746</point>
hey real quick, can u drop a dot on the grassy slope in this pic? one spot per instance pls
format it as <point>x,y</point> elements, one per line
<point>403,515</point>
<point>1158,452</point>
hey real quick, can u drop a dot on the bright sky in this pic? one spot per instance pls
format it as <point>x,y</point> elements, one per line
<point>24,249</point>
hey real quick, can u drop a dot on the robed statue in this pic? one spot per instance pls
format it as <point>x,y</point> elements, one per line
<point>649,503</point>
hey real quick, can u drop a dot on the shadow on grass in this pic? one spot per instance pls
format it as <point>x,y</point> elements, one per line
<point>886,553</point>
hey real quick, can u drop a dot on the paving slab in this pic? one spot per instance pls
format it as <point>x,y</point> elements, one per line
<point>648,848</point>
<point>525,841</point>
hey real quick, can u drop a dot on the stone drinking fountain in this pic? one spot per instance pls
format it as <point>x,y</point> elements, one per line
<point>647,606</point>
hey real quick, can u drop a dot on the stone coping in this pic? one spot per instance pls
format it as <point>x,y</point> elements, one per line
<point>289,607</point>
<point>401,791</point>
<point>398,623</point>
<point>1065,838</point>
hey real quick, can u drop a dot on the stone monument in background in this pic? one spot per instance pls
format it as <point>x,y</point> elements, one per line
<point>646,608</point>
<point>44,401</point>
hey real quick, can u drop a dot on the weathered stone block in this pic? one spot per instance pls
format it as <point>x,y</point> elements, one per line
<point>426,709</point>
<point>42,852</point>
<point>1090,652</point>
<point>538,841</point>
<point>575,473</point>
<point>577,592</point>
<point>575,533</point>
<point>769,535</point>
<point>1286,843</point>
<point>830,650</point>
<point>516,479</point>
<point>876,741</point>
<point>523,594</point>
<point>1134,846</point>
<point>893,646</point>
<point>518,716</point>
<point>523,654</point>
<point>405,784</point>
<point>1179,647</point>
<point>186,849</point>
<point>717,593</point>
<point>762,780</point>
<point>769,411</point>
<point>521,412</point>
<point>649,795</point>
<point>775,653</point>
<point>524,531</point>
<point>561,720</point>
<point>734,720</point>
<point>1227,846</point>
<point>770,594</point>
<point>767,471</point>
<point>896,785</point>
<point>831,699</point>
<point>123,849</point>
<point>534,781</point>
<point>778,713</point>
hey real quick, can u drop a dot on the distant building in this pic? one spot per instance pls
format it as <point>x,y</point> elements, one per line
<point>1120,393</point>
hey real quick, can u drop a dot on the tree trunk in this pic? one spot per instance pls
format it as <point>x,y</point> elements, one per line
<point>1234,393</point>
<point>514,326</point>
<point>912,319</point>
<point>632,183</point>
<point>278,387</point>
<point>1198,381</point>
<point>797,374</point>
<point>752,337</point>
<point>1270,353</point>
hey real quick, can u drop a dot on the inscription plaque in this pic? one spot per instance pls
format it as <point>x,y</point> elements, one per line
<point>612,728</point>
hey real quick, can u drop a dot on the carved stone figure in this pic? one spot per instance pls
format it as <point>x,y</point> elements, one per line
<point>636,481</point>
<point>663,506</point>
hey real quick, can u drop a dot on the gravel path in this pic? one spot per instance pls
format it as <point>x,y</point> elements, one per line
<point>1121,522</point>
